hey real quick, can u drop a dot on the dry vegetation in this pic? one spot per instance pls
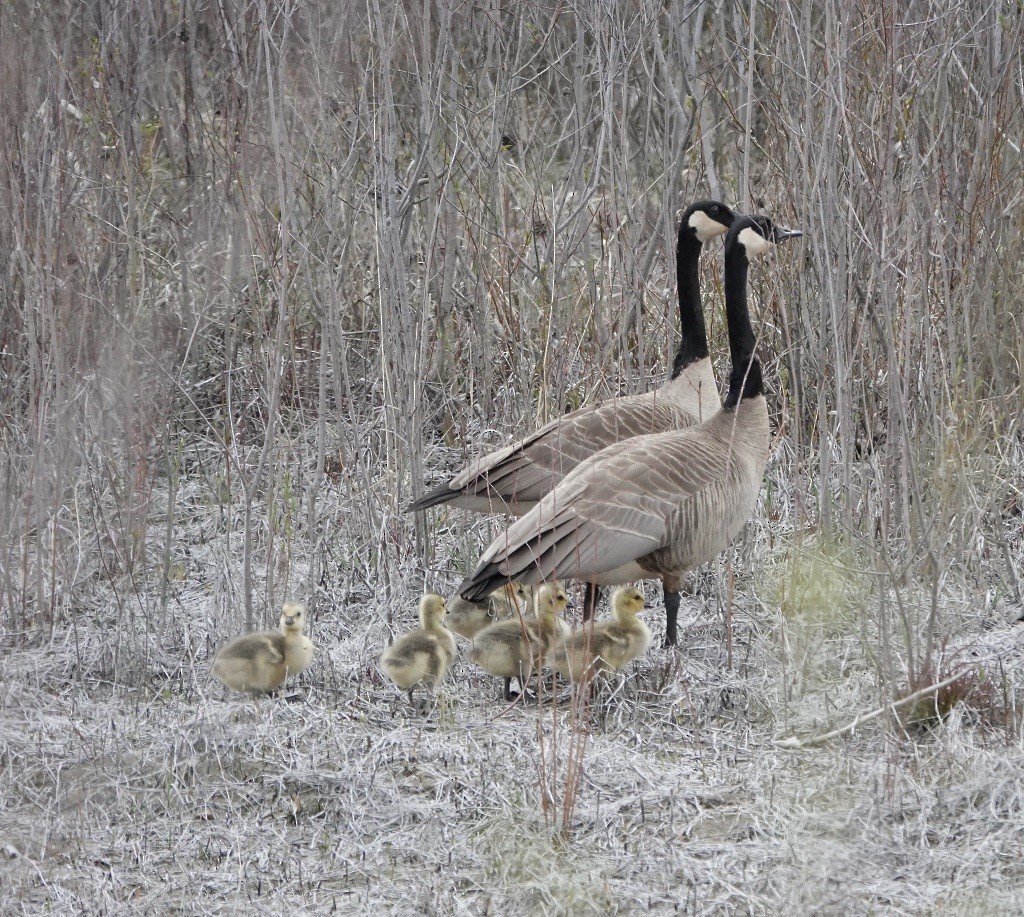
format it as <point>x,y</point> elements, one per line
<point>269,267</point>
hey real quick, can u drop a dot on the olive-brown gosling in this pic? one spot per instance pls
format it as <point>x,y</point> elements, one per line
<point>516,648</point>
<point>424,654</point>
<point>605,647</point>
<point>260,662</point>
<point>467,618</point>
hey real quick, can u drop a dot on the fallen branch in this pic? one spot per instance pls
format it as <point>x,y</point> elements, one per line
<point>794,744</point>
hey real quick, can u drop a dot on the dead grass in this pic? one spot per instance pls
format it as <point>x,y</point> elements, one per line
<point>268,269</point>
<point>145,789</point>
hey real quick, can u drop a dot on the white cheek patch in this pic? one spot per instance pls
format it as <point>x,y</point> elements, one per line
<point>705,227</point>
<point>753,242</point>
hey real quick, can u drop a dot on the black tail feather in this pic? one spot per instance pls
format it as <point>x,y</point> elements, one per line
<point>436,497</point>
<point>482,583</point>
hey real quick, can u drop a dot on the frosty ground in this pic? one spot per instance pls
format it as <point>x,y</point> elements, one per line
<point>268,270</point>
<point>134,784</point>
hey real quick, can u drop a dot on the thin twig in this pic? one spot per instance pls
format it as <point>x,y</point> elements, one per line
<point>795,744</point>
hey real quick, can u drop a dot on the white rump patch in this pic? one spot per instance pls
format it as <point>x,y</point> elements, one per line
<point>627,573</point>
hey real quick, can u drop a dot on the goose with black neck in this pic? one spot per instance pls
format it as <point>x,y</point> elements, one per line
<point>515,478</point>
<point>655,506</point>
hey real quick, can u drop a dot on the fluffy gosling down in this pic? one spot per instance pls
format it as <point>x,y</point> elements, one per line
<point>422,656</point>
<point>467,618</point>
<point>516,648</point>
<point>259,663</point>
<point>606,647</point>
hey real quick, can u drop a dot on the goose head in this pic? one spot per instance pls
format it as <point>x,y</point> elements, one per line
<point>293,618</point>
<point>627,603</point>
<point>758,233</point>
<point>707,219</point>
<point>433,608</point>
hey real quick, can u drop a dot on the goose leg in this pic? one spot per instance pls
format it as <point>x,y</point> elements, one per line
<point>591,597</point>
<point>672,586</point>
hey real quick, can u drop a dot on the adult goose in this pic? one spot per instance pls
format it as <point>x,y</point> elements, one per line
<point>515,478</point>
<point>662,504</point>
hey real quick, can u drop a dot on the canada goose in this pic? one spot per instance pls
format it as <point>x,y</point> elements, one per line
<point>514,478</point>
<point>658,505</point>
<point>424,654</point>
<point>516,648</point>
<point>469,618</point>
<point>608,646</point>
<point>259,663</point>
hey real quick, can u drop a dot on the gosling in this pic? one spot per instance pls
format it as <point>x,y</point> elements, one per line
<point>516,648</point>
<point>467,618</point>
<point>423,655</point>
<point>606,647</point>
<point>259,663</point>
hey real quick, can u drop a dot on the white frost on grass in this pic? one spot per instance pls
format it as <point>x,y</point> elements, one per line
<point>166,795</point>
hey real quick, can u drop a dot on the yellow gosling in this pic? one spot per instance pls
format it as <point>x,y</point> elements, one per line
<point>259,663</point>
<point>467,618</point>
<point>516,648</point>
<point>606,647</point>
<point>423,655</point>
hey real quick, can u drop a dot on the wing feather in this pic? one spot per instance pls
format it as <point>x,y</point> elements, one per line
<point>626,502</point>
<point>526,471</point>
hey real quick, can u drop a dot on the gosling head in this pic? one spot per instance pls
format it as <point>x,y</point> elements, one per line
<point>433,608</point>
<point>707,219</point>
<point>551,599</point>
<point>758,233</point>
<point>519,595</point>
<point>522,591</point>
<point>293,618</point>
<point>627,603</point>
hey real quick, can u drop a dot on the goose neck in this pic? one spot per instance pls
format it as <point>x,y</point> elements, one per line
<point>745,380</point>
<point>693,341</point>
